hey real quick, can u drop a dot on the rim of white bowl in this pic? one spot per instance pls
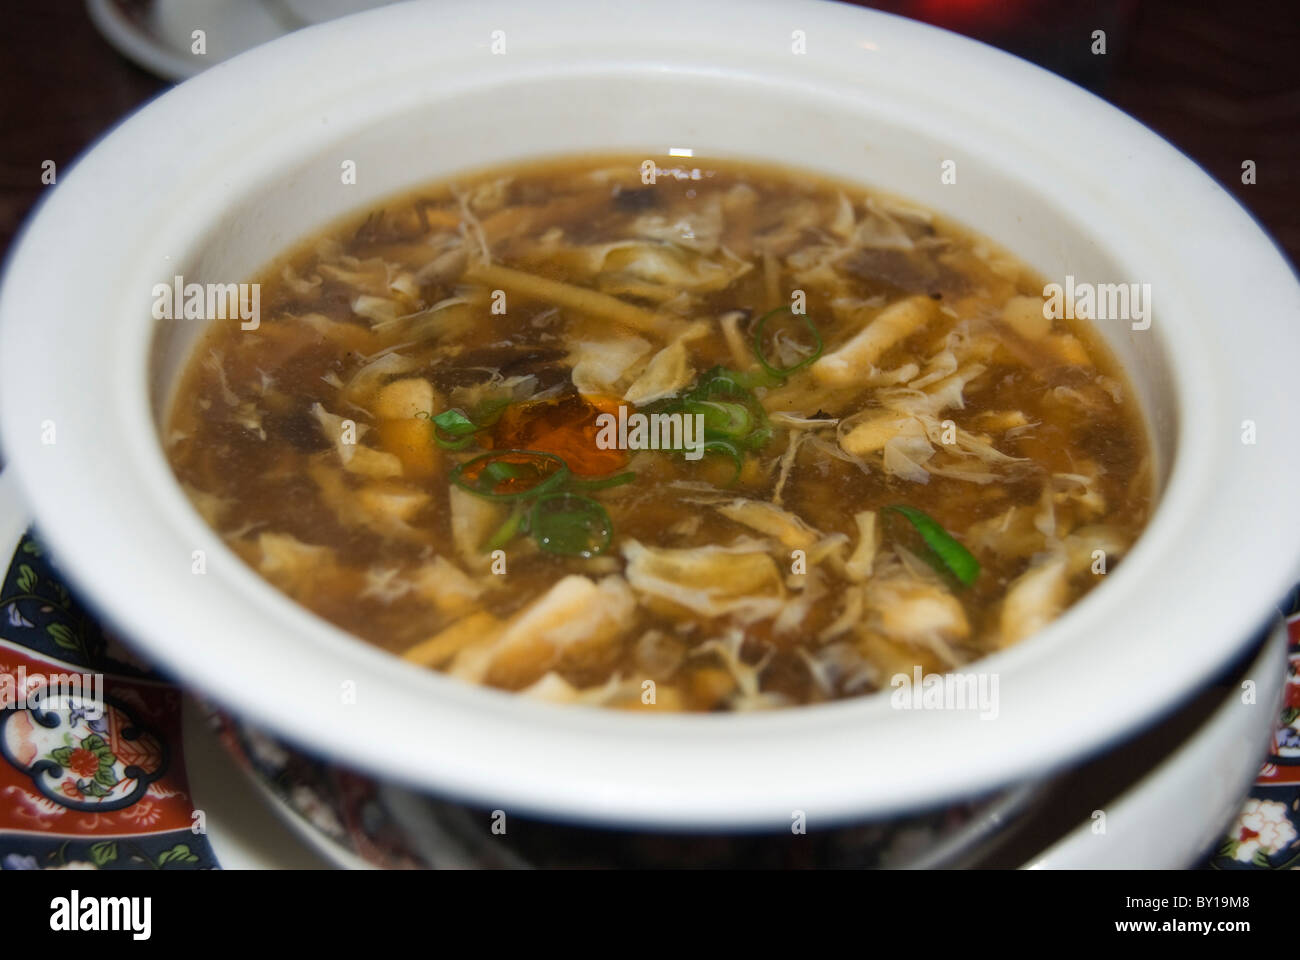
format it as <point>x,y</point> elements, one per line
<point>1183,602</point>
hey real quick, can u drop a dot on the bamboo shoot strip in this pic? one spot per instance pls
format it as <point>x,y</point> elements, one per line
<point>562,294</point>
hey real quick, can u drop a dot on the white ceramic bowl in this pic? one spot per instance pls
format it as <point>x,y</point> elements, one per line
<point>215,177</point>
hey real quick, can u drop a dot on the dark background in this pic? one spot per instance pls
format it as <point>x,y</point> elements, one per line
<point>1217,78</point>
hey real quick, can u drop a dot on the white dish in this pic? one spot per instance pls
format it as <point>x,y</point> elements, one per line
<point>1178,810</point>
<point>161,38</point>
<point>160,35</point>
<point>244,832</point>
<point>215,177</point>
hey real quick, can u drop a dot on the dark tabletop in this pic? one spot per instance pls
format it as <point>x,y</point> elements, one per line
<point>1220,79</point>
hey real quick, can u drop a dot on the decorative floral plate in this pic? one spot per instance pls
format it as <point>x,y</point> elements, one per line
<point>105,776</point>
<point>1265,832</point>
<point>90,778</point>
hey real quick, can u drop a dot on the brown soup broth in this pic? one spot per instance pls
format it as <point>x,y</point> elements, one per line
<point>528,301</point>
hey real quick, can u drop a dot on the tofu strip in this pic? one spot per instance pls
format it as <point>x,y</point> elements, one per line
<point>1034,600</point>
<point>871,435</point>
<point>442,646</point>
<point>855,359</point>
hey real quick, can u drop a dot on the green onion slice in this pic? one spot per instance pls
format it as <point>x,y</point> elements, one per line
<point>723,382</point>
<point>511,474</point>
<point>571,525</point>
<point>728,450</point>
<point>452,430</point>
<point>730,392</point>
<point>947,555</point>
<point>783,372</point>
<point>725,420</point>
<point>506,532</point>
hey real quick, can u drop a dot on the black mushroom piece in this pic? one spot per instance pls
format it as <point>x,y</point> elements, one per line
<point>506,360</point>
<point>635,201</point>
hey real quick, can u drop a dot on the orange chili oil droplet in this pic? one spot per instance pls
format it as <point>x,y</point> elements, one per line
<point>536,470</point>
<point>564,426</point>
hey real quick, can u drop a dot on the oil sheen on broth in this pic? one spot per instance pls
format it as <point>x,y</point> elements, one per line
<point>903,461</point>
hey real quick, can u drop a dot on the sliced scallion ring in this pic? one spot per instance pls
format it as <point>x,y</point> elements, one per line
<point>511,474</point>
<point>452,430</point>
<point>571,525</point>
<point>783,372</point>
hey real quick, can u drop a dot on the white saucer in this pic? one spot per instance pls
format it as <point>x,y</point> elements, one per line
<point>244,831</point>
<point>1179,810</point>
<point>161,37</point>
